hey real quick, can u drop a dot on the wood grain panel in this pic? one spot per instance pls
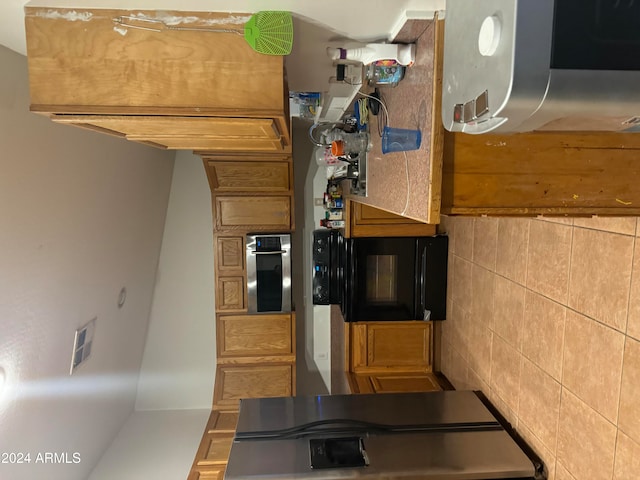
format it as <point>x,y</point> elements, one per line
<point>251,176</point>
<point>222,422</point>
<point>230,293</point>
<point>404,383</point>
<point>149,126</point>
<point>541,173</point>
<point>250,381</point>
<point>382,347</point>
<point>213,472</point>
<point>367,221</point>
<point>217,449</point>
<point>399,345</point>
<point>92,63</point>
<point>230,254</point>
<point>246,335</point>
<point>257,213</point>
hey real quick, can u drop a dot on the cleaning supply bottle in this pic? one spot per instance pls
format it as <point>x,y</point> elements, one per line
<point>404,54</point>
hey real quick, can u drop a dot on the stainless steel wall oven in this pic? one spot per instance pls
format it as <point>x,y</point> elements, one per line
<point>269,273</point>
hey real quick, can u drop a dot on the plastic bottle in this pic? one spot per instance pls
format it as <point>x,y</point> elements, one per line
<point>350,143</point>
<point>404,54</point>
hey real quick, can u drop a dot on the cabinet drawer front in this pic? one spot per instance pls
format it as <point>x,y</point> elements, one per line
<point>230,254</point>
<point>404,383</point>
<point>260,212</point>
<point>230,293</point>
<point>246,335</point>
<point>252,381</point>
<point>250,176</point>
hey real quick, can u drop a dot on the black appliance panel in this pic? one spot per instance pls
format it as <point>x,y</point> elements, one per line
<point>396,279</point>
<point>596,35</point>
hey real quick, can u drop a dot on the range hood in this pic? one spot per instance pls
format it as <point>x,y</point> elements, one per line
<point>522,65</point>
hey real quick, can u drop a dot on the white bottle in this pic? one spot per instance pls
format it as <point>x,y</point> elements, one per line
<point>401,53</point>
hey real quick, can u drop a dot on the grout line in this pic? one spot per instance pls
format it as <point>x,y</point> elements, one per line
<point>631,278</point>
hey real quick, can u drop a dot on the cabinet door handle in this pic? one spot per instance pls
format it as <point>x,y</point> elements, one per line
<point>275,252</point>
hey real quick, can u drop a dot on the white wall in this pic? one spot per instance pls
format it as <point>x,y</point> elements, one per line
<point>180,354</point>
<point>82,215</point>
<point>158,445</point>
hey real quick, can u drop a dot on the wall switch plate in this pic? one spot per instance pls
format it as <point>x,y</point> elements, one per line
<point>82,344</point>
<point>318,202</point>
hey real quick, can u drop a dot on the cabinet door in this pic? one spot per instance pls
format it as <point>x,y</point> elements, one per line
<point>253,213</point>
<point>230,294</point>
<point>271,177</point>
<point>368,221</point>
<point>189,133</point>
<point>230,255</point>
<point>234,382</point>
<point>254,335</point>
<point>222,422</point>
<point>215,448</point>
<point>382,346</point>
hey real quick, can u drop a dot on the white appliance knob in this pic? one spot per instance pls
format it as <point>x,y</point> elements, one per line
<point>489,36</point>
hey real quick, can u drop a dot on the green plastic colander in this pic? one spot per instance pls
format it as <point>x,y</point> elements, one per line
<point>268,32</point>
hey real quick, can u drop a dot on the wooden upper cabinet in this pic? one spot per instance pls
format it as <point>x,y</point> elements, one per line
<point>212,133</point>
<point>230,254</point>
<point>249,177</point>
<point>265,212</point>
<point>254,335</point>
<point>172,88</point>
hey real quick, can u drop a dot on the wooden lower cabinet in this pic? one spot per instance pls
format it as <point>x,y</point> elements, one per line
<point>262,212</point>
<point>367,221</point>
<point>394,383</point>
<point>255,335</point>
<point>383,347</point>
<point>234,382</point>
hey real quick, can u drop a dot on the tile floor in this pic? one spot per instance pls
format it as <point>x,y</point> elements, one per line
<point>544,318</point>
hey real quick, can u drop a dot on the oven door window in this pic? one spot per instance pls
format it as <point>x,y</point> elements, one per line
<point>385,279</point>
<point>269,276</point>
<point>382,279</point>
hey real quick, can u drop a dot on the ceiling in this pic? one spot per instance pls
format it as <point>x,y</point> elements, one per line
<point>357,19</point>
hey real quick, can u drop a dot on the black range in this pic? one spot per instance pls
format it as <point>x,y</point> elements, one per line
<point>381,279</point>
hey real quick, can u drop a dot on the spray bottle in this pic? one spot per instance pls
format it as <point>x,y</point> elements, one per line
<point>403,54</point>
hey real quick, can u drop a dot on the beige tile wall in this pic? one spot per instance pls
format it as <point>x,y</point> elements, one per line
<point>544,318</point>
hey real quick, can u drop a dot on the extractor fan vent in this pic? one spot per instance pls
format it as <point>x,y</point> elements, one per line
<point>82,344</point>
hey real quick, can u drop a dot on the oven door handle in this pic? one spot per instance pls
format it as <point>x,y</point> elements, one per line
<point>275,252</point>
<point>423,286</point>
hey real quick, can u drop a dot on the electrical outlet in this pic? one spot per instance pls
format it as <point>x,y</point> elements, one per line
<point>318,202</point>
<point>82,344</point>
<point>322,356</point>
